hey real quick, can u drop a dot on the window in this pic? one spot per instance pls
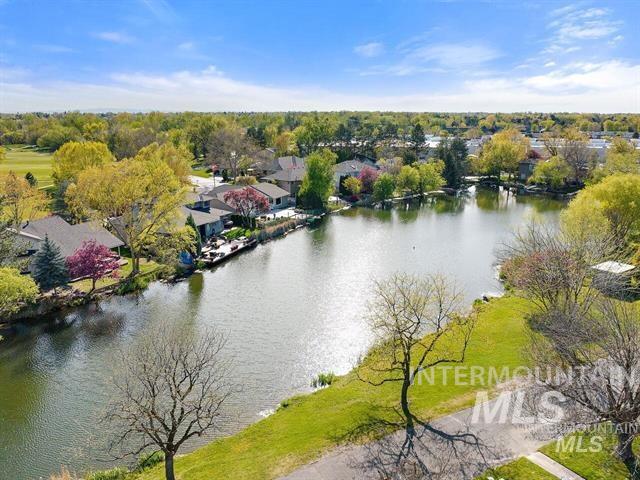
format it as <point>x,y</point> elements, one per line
<point>278,201</point>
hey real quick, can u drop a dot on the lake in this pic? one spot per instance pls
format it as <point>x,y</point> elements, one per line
<point>291,309</point>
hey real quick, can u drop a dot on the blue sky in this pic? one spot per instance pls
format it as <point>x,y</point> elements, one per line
<point>319,55</point>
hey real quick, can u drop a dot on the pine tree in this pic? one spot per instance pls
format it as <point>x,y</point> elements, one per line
<point>49,267</point>
<point>192,223</point>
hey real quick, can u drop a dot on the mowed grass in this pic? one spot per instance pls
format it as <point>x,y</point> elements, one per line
<point>581,453</point>
<point>22,159</point>
<point>311,425</point>
<point>146,267</point>
<point>521,469</point>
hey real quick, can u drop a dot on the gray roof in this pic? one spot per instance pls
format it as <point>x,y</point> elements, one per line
<point>66,236</point>
<point>270,190</point>
<point>219,191</point>
<point>289,175</point>
<point>200,217</point>
<point>286,163</point>
<point>351,166</point>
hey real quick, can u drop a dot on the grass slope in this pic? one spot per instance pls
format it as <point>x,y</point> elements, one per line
<point>521,469</point>
<point>313,424</point>
<point>21,159</point>
<point>590,464</point>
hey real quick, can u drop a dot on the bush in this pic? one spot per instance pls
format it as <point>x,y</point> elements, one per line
<point>323,380</point>
<point>133,284</point>
<point>117,473</point>
<point>148,460</point>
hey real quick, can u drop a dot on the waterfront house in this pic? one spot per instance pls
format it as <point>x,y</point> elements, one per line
<point>67,237</point>
<point>278,197</point>
<point>350,168</point>
<point>289,180</point>
<point>284,163</point>
<point>209,213</point>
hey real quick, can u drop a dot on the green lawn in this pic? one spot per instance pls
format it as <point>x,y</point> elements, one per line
<point>22,159</point>
<point>125,270</point>
<point>590,464</point>
<point>313,424</point>
<point>521,469</point>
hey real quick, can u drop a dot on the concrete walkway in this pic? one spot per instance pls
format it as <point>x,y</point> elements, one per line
<point>449,448</point>
<point>553,467</point>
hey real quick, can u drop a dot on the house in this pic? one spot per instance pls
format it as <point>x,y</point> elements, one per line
<point>289,180</point>
<point>526,168</point>
<point>278,197</point>
<point>219,191</point>
<point>209,213</point>
<point>262,161</point>
<point>614,278</point>
<point>350,168</point>
<point>284,163</point>
<point>67,237</point>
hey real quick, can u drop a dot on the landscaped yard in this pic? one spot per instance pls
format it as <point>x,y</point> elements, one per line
<point>310,425</point>
<point>22,159</point>
<point>521,469</point>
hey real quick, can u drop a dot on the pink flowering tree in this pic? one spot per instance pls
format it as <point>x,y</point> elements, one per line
<point>368,177</point>
<point>93,260</point>
<point>247,202</point>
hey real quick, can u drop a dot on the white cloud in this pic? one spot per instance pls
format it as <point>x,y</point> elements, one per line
<point>436,58</point>
<point>369,50</point>
<point>612,86</point>
<point>114,37</point>
<point>573,24</point>
<point>550,64</point>
<point>186,46</point>
<point>51,48</point>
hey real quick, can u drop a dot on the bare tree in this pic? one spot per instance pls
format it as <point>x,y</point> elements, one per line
<point>170,388</point>
<point>418,326</point>
<point>595,365</point>
<point>231,148</point>
<point>574,148</point>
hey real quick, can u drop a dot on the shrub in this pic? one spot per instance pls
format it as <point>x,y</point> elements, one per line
<point>134,284</point>
<point>118,473</point>
<point>323,380</point>
<point>148,460</point>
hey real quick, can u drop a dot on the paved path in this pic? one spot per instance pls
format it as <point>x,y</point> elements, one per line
<point>553,467</point>
<point>451,448</point>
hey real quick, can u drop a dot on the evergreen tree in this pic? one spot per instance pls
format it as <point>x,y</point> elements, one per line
<point>49,267</point>
<point>454,155</point>
<point>31,179</point>
<point>198,243</point>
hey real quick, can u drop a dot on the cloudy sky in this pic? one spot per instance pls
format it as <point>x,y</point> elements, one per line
<point>261,55</point>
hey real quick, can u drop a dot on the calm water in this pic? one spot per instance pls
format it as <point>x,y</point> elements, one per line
<point>291,308</point>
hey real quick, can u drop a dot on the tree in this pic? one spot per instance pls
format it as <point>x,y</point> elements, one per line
<point>367,177</point>
<point>15,290</point>
<point>178,159</point>
<point>612,205</point>
<point>352,185</point>
<point>139,196</point>
<point>21,200</point>
<point>247,202</point>
<point>417,136</point>
<point>408,179</point>
<point>170,388</point>
<point>191,223</point>
<point>622,157</point>
<point>318,183</point>
<point>430,176</point>
<point>503,153</point>
<point>93,260</point>
<point>285,144</point>
<point>246,180</point>
<point>49,268</point>
<point>417,326</point>
<point>574,149</point>
<point>454,155</point>
<point>232,149</point>
<point>31,179</point>
<point>74,157</point>
<point>384,187</point>
<point>552,172</point>
<point>315,132</point>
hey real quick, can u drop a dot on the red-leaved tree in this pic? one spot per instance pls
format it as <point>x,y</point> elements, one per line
<point>368,177</point>
<point>93,260</point>
<point>247,202</point>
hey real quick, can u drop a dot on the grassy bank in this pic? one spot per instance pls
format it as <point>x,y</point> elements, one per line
<point>579,453</point>
<point>312,424</point>
<point>146,267</point>
<point>22,159</point>
<point>521,469</point>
